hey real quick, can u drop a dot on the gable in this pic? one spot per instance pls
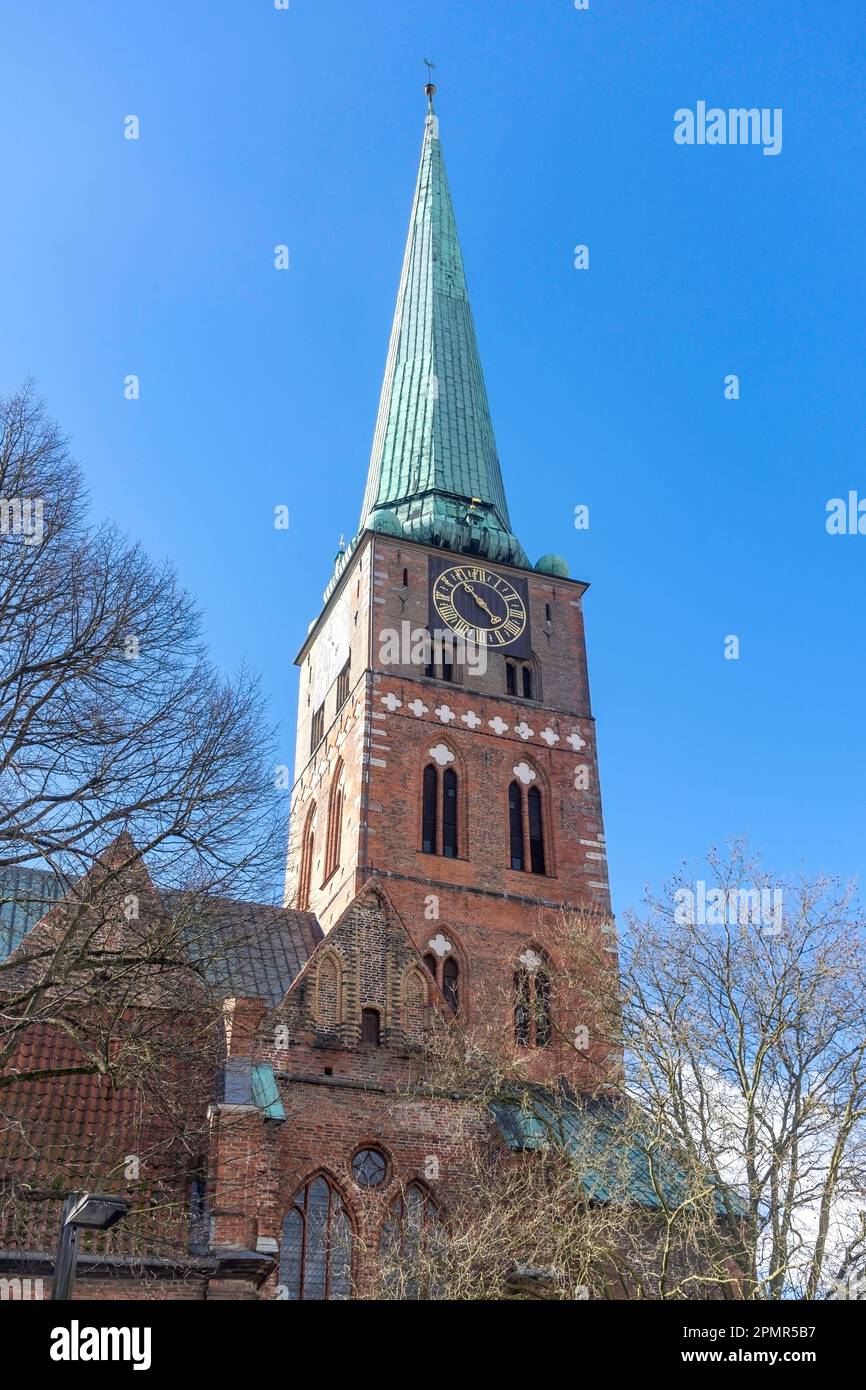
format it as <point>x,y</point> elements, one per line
<point>369,964</point>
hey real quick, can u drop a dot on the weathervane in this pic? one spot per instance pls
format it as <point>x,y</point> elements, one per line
<point>430,88</point>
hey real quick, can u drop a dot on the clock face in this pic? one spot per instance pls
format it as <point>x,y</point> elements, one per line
<point>479,605</point>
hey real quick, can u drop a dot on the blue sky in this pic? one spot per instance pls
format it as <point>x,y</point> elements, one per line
<point>258,387</point>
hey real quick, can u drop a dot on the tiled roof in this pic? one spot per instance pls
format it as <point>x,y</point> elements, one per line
<point>614,1160</point>
<point>25,897</point>
<point>433,448</point>
<point>63,1126</point>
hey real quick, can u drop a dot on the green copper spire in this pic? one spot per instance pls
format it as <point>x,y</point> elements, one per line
<point>434,472</point>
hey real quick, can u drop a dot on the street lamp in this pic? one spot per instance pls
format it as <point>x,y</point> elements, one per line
<point>81,1211</point>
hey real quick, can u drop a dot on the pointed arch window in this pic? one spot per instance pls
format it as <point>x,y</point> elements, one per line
<point>335,822</point>
<point>429,809</point>
<point>526,828</point>
<point>521,1007</point>
<point>541,1019</point>
<point>446,973</point>
<point>536,831</point>
<point>408,1239</point>
<point>316,1248</point>
<point>308,843</point>
<point>449,813</point>
<point>439,812</point>
<point>451,983</point>
<point>532,1019</point>
<point>515,825</point>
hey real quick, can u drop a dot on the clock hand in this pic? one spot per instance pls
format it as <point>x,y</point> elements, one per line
<point>480,601</point>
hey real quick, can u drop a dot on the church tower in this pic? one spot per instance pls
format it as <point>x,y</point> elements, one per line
<point>445,737</point>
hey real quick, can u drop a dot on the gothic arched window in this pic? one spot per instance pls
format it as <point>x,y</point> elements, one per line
<point>521,1007</point>
<point>431,963</point>
<point>439,833</point>
<point>532,1021</point>
<point>308,842</point>
<point>408,1239</point>
<point>536,831</point>
<point>449,814</point>
<point>515,825</point>
<point>335,822</point>
<point>451,983</point>
<point>541,1008</point>
<point>428,810</point>
<point>316,1249</point>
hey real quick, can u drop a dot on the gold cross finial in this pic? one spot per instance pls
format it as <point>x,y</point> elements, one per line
<point>430,88</point>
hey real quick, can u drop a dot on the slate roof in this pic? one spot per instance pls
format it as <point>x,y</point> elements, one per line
<point>248,949</point>
<point>433,448</point>
<point>615,1161</point>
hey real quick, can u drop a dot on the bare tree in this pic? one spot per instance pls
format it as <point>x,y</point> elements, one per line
<point>119,744</point>
<point>708,1140</point>
<point>744,1023</point>
<point>111,717</point>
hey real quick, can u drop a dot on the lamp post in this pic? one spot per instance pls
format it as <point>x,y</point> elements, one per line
<point>87,1211</point>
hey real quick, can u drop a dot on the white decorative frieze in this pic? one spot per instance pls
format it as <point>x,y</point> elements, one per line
<point>523,730</point>
<point>498,725</point>
<point>471,718</point>
<point>445,714</point>
<point>576,741</point>
<point>550,737</point>
<point>418,708</point>
<point>391,702</point>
